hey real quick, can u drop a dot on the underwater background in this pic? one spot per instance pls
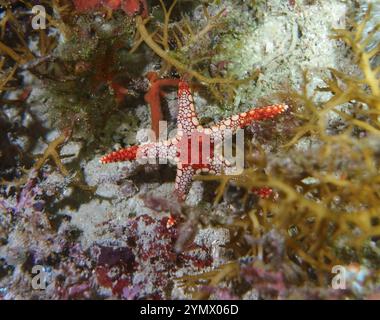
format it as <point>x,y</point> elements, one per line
<point>80,79</point>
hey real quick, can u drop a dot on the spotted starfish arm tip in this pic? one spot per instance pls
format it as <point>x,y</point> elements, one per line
<point>263,113</point>
<point>126,154</point>
<point>183,182</point>
<point>246,118</point>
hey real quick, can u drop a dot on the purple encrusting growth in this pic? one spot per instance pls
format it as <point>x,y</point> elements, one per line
<point>142,264</point>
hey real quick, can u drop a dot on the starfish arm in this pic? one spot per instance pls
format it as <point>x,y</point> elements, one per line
<point>219,164</point>
<point>187,120</point>
<point>126,154</point>
<point>183,181</point>
<point>158,150</point>
<point>163,150</point>
<point>263,193</point>
<point>246,118</point>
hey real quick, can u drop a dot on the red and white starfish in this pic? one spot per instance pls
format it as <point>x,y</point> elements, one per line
<point>193,139</point>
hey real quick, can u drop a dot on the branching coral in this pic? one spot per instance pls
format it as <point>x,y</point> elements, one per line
<point>87,79</point>
<point>184,36</point>
<point>6,76</point>
<point>364,89</point>
<point>15,43</point>
<point>326,203</point>
<point>154,95</point>
<point>18,55</point>
<point>18,51</point>
<point>51,152</point>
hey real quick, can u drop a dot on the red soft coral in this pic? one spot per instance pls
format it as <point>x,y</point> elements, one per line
<point>112,4</point>
<point>86,5</point>
<point>154,95</point>
<point>131,7</point>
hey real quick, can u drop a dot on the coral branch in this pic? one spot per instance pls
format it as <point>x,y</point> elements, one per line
<point>50,152</point>
<point>167,14</point>
<point>153,97</point>
<point>174,62</point>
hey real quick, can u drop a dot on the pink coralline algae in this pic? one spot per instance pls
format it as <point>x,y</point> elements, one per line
<point>148,264</point>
